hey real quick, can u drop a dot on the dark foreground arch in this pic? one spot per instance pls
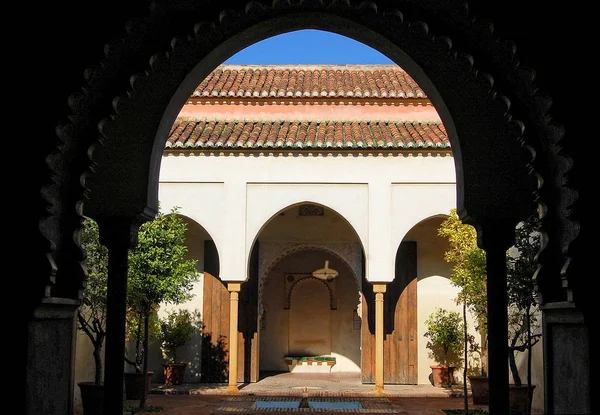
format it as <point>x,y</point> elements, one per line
<point>101,155</point>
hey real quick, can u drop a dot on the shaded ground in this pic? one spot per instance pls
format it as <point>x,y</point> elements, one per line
<point>211,399</point>
<point>222,405</point>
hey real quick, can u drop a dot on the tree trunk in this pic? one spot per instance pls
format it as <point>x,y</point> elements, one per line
<point>512,362</point>
<point>529,389</point>
<point>145,364</point>
<point>483,355</point>
<point>98,361</point>
<point>466,346</point>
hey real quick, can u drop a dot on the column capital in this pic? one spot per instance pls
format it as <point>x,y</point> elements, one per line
<point>379,287</point>
<point>494,233</point>
<point>120,232</point>
<point>234,286</point>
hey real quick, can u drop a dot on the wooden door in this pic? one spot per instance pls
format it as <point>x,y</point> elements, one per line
<point>248,357</point>
<point>399,320</point>
<point>215,320</point>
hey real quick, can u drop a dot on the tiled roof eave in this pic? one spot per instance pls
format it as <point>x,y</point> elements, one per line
<point>322,100</point>
<point>313,150</point>
<point>306,134</point>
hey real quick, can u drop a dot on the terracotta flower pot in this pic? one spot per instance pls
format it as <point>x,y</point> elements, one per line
<point>174,373</point>
<point>518,399</point>
<point>92,398</point>
<point>480,390</point>
<point>442,376</point>
<point>133,384</point>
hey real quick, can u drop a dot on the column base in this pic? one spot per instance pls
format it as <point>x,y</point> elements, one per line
<point>379,390</point>
<point>232,390</point>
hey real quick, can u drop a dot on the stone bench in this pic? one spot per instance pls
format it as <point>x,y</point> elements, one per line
<point>310,364</point>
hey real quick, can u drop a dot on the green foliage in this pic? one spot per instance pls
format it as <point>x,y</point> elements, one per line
<point>134,325</point>
<point>469,274</point>
<point>158,269</point>
<point>91,316</point>
<point>522,301</point>
<point>177,328</point>
<point>522,264</point>
<point>159,272</point>
<point>468,267</point>
<point>444,331</point>
<point>96,263</point>
<point>134,332</point>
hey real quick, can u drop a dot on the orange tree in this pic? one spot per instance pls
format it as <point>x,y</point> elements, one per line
<point>522,301</point>
<point>469,275</point>
<point>159,272</point>
<point>176,329</point>
<point>468,271</point>
<point>91,316</point>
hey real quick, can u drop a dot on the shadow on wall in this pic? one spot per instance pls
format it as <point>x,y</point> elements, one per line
<point>195,357</point>
<point>214,363</point>
<point>454,357</point>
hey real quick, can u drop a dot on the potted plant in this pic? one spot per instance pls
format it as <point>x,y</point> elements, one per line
<point>135,328</point>
<point>522,313</point>
<point>91,316</point>
<point>470,276</point>
<point>159,272</point>
<point>176,329</point>
<point>444,331</point>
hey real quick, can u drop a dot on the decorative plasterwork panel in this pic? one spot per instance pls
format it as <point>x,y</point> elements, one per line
<point>311,210</point>
<point>271,253</point>
<point>291,280</point>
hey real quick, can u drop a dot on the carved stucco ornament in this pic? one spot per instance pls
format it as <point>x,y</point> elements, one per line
<point>271,253</point>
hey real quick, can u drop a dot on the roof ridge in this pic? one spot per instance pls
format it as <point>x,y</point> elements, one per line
<point>195,118</point>
<point>306,65</point>
<point>317,81</point>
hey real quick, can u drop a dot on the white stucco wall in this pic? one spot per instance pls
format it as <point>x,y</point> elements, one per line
<point>381,196</point>
<point>381,200</point>
<point>433,291</point>
<point>231,198</point>
<point>434,288</point>
<point>310,327</point>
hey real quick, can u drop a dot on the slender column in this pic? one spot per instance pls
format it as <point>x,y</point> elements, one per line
<point>495,237</point>
<point>234,290</point>
<point>117,236</point>
<point>379,289</point>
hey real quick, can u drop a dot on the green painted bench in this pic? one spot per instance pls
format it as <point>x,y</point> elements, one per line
<point>310,364</point>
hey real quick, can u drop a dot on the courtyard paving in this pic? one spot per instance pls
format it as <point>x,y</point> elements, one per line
<point>339,389</point>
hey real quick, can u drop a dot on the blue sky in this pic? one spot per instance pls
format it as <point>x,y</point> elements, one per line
<point>308,47</point>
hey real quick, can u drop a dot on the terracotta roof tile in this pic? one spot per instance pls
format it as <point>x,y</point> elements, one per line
<point>245,134</point>
<point>301,81</point>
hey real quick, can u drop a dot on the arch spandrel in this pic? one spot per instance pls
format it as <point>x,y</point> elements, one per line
<point>490,167</point>
<point>354,219</point>
<point>485,126</point>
